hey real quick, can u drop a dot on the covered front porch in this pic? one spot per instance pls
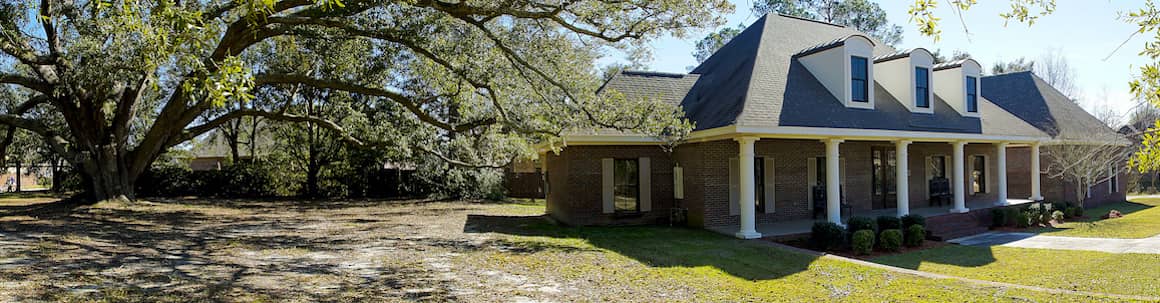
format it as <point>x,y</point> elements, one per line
<point>875,177</point>
<point>803,226</point>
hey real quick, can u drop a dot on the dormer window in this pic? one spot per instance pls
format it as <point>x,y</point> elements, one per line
<point>957,83</point>
<point>844,67</point>
<point>859,85</point>
<point>921,87</point>
<point>972,95</point>
<point>906,76</point>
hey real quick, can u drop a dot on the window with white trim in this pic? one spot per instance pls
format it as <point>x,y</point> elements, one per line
<point>921,87</point>
<point>859,83</point>
<point>972,94</point>
<point>626,185</point>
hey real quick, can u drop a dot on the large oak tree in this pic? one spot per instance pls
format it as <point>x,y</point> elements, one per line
<point>128,79</point>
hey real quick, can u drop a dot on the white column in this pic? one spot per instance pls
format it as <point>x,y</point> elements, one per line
<point>1036,195</point>
<point>960,179</point>
<point>833,182</point>
<point>748,209</point>
<point>1001,173</point>
<point>902,181</point>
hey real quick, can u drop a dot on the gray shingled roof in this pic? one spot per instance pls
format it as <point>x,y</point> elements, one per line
<point>756,80</point>
<point>669,87</point>
<point>1030,98</point>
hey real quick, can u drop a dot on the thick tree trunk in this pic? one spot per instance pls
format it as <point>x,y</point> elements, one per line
<point>107,178</point>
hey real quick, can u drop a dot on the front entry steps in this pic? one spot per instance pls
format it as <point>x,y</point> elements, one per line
<point>953,226</point>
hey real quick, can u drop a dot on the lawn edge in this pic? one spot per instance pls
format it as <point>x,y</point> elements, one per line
<point>963,279</point>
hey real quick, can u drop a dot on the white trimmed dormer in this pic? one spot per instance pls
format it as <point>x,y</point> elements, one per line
<point>845,67</point>
<point>957,83</point>
<point>906,75</point>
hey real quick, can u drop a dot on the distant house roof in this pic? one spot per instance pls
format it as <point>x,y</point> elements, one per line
<point>756,80</point>
<point>1030,98</point>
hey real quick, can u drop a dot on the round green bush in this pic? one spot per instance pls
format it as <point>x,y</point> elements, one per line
<point>891,239</point>
<point>998,217</point>
<point>862,223</point>
<point>1075,212</point>
<point>863,241</point>
<point>826,236</point>
<point>889,222</point>
<point>1057,216</point>
<point>1022,219</point>
<point>915,235</point>
<point>913,219</point>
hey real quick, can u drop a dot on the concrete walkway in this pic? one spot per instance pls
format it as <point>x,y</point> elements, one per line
<point>1029,240</point>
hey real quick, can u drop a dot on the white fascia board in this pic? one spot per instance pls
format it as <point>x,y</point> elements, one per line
<point>876,134</point>
<point>797,132</point>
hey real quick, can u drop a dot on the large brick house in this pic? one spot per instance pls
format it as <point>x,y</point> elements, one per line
<point>797,119</point>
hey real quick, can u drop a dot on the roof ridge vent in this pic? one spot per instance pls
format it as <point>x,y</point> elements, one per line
<point>652,74</point>
<point>810,20</point>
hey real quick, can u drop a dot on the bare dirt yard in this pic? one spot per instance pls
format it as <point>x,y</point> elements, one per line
<point>243,251</point>
<point>201,250</point>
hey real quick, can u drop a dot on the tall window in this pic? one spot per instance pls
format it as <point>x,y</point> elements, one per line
<point>1114,182</point>
<point>859,88</point>
<point>978,174</point>
<point>972,95</point>
<point>938,166</point>
<point>626,185</point>
<point>921,87</point>
<point>759,180</point>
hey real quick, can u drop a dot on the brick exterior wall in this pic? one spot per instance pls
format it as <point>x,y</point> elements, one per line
<point>1055,189</point>
<point>574,190</point>
<point>575,185</point>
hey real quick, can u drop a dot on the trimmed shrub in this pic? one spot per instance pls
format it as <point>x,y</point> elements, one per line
<point>915,234</point>
<point>1011,213</point>
<point>863,241</point>
<point>1022,219</point>
<point>891,239</point>
<point>1060,206</point>
<point>913,219</point>
<point>998,217</point>
<point>862,223</point>
<point>826,236</point>
<point>889,222</point>
<point>1057,216</point>
<point>1075,212</point>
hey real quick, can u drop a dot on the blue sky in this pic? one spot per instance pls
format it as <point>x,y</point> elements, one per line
<point>1085,32</point>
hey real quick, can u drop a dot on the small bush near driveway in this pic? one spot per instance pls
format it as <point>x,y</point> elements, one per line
<point>863,242</point>
<point>891,240</point>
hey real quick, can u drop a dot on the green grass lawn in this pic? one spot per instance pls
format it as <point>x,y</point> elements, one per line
<point>1128,274</point>
<point>1141,220</point>
<point>680,264</point>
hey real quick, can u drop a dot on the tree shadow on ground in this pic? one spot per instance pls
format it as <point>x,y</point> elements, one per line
<point>187,253</point>
<point>956,255</point>
<point>652,245</point>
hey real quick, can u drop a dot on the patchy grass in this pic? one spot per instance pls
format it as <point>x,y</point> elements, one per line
<point>1141,220</point>
<point>414,250</point>
<point>696,265</point>
<point>1127,274</point>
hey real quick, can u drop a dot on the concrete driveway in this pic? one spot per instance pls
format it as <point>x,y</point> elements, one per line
<point>1030,240</point>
